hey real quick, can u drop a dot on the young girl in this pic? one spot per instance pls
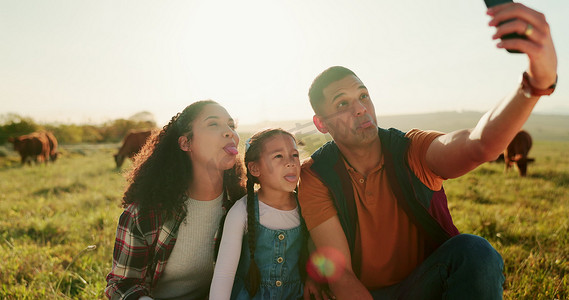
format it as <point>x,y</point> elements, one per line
<point>263,235</point>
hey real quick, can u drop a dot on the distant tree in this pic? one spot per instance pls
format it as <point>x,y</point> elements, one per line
<point>144,117</point>
<point>13,125</point>
<point>75,134</point>
<point>68,133</point>
<point>92,134</point>
<point>114,131</point>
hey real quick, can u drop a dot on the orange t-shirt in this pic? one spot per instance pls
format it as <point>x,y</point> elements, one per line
<point>388,245</point>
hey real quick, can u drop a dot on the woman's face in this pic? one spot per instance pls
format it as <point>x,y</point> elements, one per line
<point>214,141</point>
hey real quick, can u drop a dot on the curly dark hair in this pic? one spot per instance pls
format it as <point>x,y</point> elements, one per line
<point>162,171</point>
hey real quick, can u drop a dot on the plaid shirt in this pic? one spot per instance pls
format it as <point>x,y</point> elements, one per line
<point>143,244</point>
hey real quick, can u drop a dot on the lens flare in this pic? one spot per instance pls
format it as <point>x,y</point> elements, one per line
<point>326,265</point>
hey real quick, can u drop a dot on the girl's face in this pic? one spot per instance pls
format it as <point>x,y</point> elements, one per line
<point>214,141</point>
<point>278,167</point>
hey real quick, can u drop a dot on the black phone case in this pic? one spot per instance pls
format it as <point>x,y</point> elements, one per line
<point>490,3</point>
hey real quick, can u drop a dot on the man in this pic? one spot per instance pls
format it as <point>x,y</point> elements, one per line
<point>376,195</point>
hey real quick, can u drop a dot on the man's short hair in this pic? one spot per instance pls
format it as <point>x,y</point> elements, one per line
<point>321,81</point>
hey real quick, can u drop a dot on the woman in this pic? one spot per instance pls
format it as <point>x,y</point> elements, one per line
<point>184,180</point>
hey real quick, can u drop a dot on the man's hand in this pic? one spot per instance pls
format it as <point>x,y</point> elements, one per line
<point>538,46</point>
<point>330,234</point>
<point>316,291</point>
<point>348,286</point>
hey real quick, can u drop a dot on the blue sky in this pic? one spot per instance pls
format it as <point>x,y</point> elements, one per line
<point>92,61</point>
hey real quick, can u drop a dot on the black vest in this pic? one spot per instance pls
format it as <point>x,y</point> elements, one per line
<point>412,195</point>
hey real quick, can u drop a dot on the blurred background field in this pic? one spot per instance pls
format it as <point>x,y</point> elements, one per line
<point>58,221</point>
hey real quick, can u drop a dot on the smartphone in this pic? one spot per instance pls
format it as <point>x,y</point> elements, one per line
<point>490,3</point>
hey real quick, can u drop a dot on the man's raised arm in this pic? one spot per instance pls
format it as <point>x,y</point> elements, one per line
<point>455,154</point>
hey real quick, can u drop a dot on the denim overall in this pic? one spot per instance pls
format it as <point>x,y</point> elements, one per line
<point>277,255</point>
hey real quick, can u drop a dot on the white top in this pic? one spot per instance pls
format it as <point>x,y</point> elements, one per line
<point>233,231</point>
<point>189,268</point>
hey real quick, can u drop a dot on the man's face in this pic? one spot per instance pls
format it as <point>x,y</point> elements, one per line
<point>347,113</point>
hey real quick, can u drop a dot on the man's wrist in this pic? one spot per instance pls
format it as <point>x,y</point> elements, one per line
<point>528,90</point>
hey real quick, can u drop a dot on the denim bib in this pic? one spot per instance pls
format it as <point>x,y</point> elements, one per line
<point>277,254</point>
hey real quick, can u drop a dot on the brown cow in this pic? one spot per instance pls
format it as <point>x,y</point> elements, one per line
<point>132,143</point>
<point>517,152</point>
<point>52,145</point>
<point>34,146</point>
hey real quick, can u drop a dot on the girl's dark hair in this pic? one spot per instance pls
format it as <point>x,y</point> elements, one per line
<point>253,152</point>
<point>162,171</point>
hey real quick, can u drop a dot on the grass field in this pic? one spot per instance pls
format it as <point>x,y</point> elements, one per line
<point>58,222</point>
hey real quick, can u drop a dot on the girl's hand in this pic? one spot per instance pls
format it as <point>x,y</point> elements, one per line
<point>315,291</point>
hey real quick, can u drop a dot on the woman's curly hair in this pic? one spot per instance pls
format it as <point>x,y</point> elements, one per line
<point>162,171</point>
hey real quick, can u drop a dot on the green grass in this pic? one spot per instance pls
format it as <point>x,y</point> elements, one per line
<point>52,215</point>
<point>525,219</point>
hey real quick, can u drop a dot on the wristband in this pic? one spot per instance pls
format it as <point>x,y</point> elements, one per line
<point>530,91</point>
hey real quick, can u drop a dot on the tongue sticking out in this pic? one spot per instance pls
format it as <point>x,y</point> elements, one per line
<point>231,150</point>
<point>290,178</point>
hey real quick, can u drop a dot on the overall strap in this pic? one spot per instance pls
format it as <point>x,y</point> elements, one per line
<point>303,259</point>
